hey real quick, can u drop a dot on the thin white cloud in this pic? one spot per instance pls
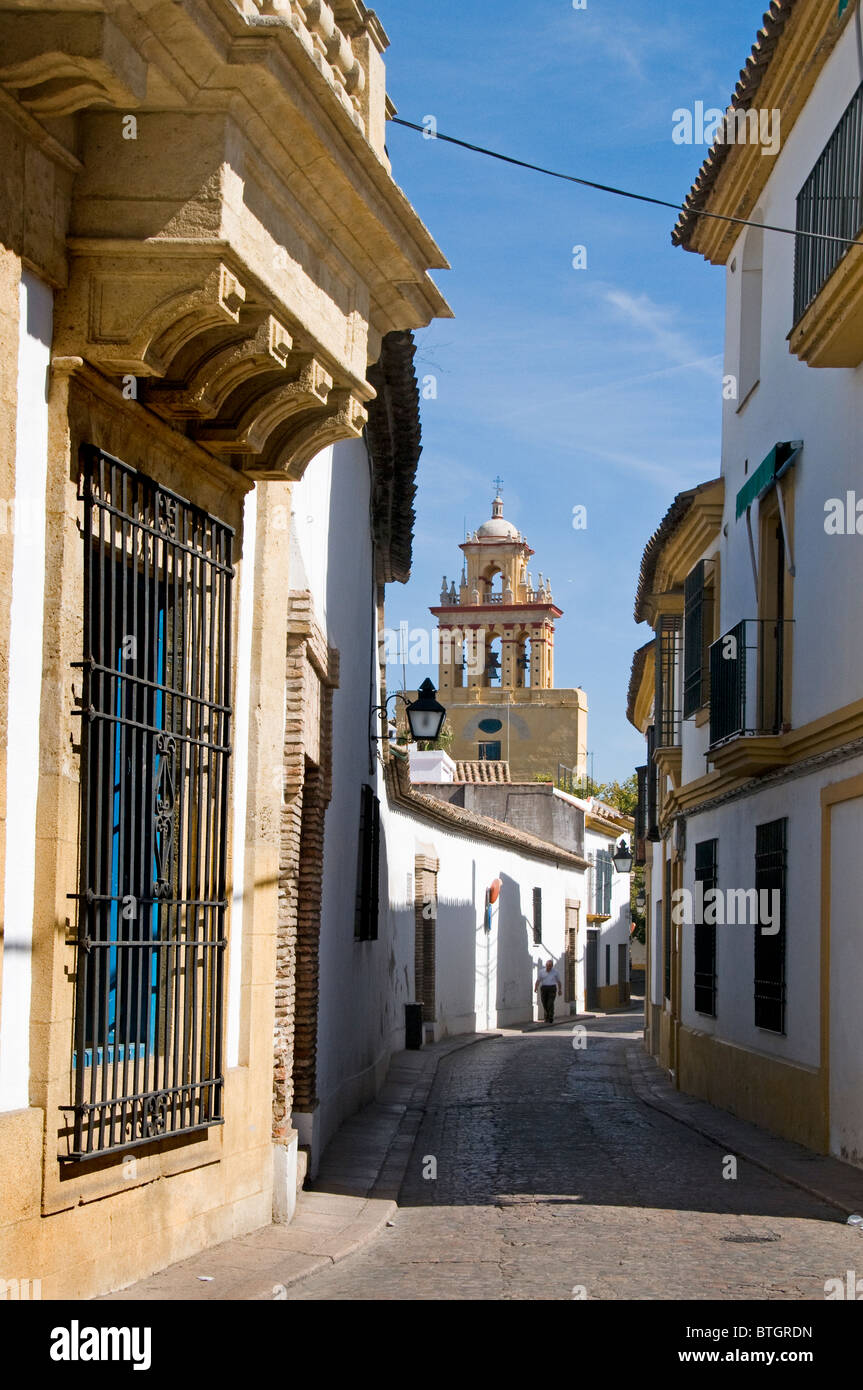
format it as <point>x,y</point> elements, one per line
<point>656,322</point>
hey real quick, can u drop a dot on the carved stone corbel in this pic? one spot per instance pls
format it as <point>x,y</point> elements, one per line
<point>218,373</point>
<point>57,63</point>
<point>249,431</point>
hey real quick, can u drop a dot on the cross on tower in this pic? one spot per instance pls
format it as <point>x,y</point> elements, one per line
<point>498,482</point>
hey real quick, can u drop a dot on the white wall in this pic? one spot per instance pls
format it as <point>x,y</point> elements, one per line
<point>614,932</point>
<point>363,983</point>
<point>733,826</point>
<point>484,980</point>
<point>823,407</point>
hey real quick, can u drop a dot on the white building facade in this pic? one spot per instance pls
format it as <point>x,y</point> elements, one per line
<point>752,692</point>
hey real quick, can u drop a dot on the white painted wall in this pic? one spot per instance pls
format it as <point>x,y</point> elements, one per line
<point>36,306</point>
<point>733,826</point>
<point>484,980</point>
<point>846,981</point>
<point>614,932</point>
<point>824,408</point>
<point>363,983</point>
<point>240,764</point>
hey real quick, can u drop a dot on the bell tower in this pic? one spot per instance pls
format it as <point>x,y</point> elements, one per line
<point>496,657</point>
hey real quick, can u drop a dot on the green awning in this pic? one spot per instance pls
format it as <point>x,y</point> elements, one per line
<point>779,459</point>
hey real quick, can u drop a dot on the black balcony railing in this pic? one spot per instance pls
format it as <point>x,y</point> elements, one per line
<point>830,203</point>
<point>747,679</point>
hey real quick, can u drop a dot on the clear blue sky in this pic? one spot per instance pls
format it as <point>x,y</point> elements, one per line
<point>599,387</point>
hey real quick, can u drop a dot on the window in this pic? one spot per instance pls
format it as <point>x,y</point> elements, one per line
<point>652,787</point>
<point>602,871</point>
<point>368,873</point>
<point>489,752</point>
<point>773,629</point>
<point>607,963</point>
<point>147,1051</point>
<point>537,916</point>
<point>749,357</point>
<point>641,815</point>
<point>697,637</point>
<point>770,860</point>
<point>705,933</point>
<point>667,712</point>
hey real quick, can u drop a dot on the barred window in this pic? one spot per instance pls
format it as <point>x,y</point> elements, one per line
<point>770,864</point>
<point>705,933</point>
<point>147,1050</point>
<point>368,873</point>
<point>641,814</point>
<point>537,916</point>
<point>666,708</point>
<point>652,806</point>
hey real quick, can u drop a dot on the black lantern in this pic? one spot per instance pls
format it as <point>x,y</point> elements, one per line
<point>622,858</point>
<point>640,902</point>
<point>425,715</point>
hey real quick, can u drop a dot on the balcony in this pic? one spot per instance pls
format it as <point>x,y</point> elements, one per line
<point>747,696</point>
<point>828,281</point>
<point>495,598</point>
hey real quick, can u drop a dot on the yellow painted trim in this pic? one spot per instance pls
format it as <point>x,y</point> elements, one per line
<point>830,333</point>
<point>646,692</point>
<point>670,762</point>
<point>847,790</point>
<point>698,529</point>
<point>822,735</point>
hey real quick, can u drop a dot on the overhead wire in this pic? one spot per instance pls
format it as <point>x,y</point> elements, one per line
<point>619,192</point>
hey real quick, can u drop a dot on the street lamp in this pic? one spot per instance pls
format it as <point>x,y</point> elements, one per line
<point>622,858</point>
<point>424,715</point>
<point>640,902</point>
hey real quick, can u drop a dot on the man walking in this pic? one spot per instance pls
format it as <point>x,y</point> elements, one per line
<point>549,987</point>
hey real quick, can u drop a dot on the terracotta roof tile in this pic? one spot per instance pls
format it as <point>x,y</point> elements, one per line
<point>751,77</point>
<point>638,662</point>
<point>661,536</point>
<point>482,770</point>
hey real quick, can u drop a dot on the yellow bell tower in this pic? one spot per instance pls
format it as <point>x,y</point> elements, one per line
<point>496,658</point>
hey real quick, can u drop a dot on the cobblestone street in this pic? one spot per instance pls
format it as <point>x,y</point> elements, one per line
<point>553,1177</point>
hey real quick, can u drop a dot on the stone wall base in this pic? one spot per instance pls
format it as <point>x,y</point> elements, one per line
<point>784,1097</point>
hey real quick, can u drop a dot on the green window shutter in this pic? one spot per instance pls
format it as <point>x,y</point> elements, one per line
<point>705,933</point>
<point>770,870</point>
<point>693,640</point>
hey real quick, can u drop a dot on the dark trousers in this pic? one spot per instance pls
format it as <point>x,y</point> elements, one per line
<point>548,994</point>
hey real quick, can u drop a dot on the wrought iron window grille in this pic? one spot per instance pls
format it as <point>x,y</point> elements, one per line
<point>155,751</point>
